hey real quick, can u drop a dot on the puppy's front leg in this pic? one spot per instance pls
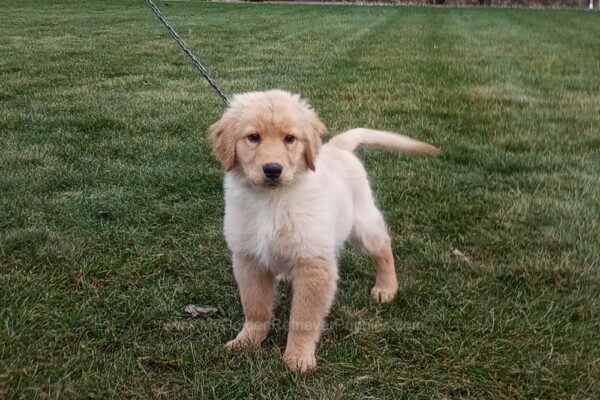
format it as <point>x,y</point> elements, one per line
<point>257,289</point>
<point>313,284</point>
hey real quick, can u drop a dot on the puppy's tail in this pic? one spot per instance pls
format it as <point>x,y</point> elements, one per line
<point>354,138</point>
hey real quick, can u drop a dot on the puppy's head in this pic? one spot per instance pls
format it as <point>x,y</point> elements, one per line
<point>269,138</point>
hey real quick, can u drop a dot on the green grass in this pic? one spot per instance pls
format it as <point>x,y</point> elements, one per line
<point>111,204</point>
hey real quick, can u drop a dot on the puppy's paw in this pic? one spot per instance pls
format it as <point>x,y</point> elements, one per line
<point>237,344</point>
<point>300,362</point>
<point>384,294</point>
<point>252,334</point>
<point>242,341</point>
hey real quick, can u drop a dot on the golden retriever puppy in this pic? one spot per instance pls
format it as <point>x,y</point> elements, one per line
<point>290,204</point>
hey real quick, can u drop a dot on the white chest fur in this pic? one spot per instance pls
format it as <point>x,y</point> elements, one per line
<point>281,226</point>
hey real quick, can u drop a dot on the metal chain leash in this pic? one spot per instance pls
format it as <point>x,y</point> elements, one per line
<point>187,51</point>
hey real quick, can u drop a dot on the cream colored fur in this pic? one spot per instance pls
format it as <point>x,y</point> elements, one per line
<point>298,226</point>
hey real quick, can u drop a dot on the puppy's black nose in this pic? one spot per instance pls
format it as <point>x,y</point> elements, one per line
<point>272,171</point>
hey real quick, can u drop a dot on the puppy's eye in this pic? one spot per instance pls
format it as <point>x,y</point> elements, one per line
<point>254,138</point>
<point>289,139</point>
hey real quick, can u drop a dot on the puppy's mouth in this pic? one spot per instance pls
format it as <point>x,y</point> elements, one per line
<point>272,183</point>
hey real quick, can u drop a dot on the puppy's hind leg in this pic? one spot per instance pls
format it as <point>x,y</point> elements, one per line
<point>257,289</point>
<point>370,235</point>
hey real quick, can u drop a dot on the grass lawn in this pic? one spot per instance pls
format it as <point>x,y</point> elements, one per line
<point>111,204</point>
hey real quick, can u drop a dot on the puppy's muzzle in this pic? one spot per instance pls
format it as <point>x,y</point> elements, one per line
<point>272,172</point>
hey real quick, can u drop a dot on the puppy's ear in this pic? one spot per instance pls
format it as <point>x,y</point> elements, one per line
<point>223,141</point>
<point>313,143</point>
